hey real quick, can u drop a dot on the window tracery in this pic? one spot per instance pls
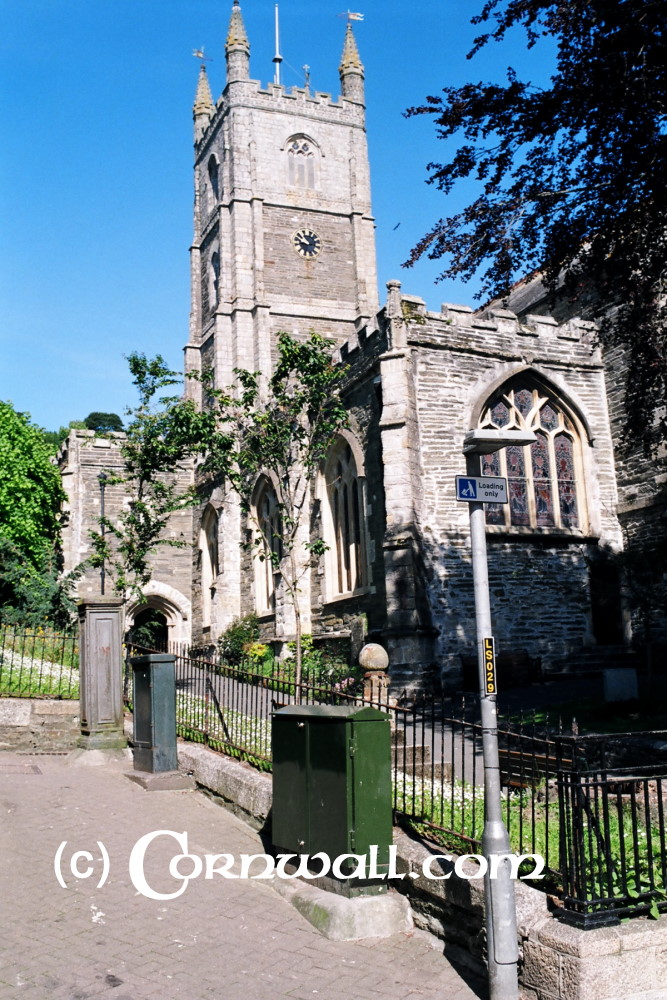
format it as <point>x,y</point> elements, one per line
<point>545,479</point>
<point>301,162</point>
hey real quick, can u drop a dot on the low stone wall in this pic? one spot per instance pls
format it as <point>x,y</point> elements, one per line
<point>38,724</point>
<point>558,962</point>
<point>627,962</point>
<point>246,791</point>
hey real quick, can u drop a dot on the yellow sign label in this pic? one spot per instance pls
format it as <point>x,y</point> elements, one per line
<point>489,666</point>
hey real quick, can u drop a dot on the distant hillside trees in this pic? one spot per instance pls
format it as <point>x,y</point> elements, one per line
<point>103,422</point>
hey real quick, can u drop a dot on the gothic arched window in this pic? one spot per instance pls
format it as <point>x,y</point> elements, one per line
<point>269,545</point>
<point>301,162</point>
<point>209,560</point>
<point>344,526</point>
<point>545,479</point>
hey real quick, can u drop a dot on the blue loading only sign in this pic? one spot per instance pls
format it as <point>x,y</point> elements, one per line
<point>481,489</point>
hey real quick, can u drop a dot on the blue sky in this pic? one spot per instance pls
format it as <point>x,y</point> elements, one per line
<point>96,168</point>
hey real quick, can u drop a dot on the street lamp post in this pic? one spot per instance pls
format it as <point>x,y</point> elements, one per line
<point>501,936</point>
<point>102,480</point>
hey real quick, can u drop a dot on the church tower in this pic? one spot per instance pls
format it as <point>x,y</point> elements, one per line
<point>283,232</point>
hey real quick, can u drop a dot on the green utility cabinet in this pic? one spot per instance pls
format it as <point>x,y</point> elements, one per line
<point>154,712</point>
<point>332,781</point>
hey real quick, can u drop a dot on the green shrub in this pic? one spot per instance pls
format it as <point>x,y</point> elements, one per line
<point>323,665</point>
<point>238,637</point>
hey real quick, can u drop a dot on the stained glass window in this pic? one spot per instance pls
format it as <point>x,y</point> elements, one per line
<point>491,467</point>
<point>548,417</point>
<point>543,488</point>
<point>567,490</point>
<point>517,487</point>
<point>523,400</point>
<point>500,414</point>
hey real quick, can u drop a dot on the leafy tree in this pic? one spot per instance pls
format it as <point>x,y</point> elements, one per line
<point>570,177</point>
<point>103,422</point>
<point>164,432</point>
<point>31,494</point>
<point>36,594</point>
<point>283,426</point>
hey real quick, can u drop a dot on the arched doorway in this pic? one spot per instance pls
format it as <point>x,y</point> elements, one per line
<point>149,629</point>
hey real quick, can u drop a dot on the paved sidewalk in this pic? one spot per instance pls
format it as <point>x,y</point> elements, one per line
<point>222,938</point>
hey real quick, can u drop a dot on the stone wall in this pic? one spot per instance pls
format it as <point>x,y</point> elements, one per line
<point>641,481</point>
<point>38,724</point>
<point>539,577</point>
<point>265,286</point>
<point>81,459</point>
<point>642,512</point>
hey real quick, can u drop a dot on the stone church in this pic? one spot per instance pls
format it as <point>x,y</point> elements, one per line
<point>284,241</point>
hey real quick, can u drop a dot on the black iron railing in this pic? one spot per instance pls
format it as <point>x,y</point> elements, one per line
<point>229,707</point>
<point>38,663</point>
<point>613,844</point>
<point>592,806</point>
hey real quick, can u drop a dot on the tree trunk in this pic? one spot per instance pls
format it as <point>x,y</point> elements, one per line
<point>297,626</point>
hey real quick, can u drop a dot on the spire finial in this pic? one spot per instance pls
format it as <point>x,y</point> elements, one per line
<point>350,60</point>
<point>351,68</point>
<point>237,47</point>
<point>236,33</point>
<point>203,98</point>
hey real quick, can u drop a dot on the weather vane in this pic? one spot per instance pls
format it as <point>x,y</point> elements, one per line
<point>199,54</point>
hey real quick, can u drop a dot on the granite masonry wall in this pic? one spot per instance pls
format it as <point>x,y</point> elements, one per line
<point>81,459</point>
<point>641,481</point>
<point>540,578</point>
<point>642,512</point>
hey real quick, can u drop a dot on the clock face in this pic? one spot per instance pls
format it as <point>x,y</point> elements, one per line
<point>306,243</point>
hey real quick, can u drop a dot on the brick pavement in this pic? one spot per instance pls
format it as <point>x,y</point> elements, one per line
<point>223,939</point>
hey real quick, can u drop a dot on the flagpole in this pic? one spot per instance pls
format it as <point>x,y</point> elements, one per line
<point>277,59</point>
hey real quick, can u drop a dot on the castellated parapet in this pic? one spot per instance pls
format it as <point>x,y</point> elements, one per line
<point>434,373</point>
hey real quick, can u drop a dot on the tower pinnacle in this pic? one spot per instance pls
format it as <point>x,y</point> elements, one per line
<point>237,47</point>
<point>203,108</point>
<point>351,69</point>
<point>203,98</point>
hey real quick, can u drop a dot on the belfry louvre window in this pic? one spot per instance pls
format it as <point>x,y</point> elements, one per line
<point>545,479</point>
<point>301,163</point>
<point>269,550</point>
<point>214,180</point>
<point>347,563</point>
<point>214,279</point>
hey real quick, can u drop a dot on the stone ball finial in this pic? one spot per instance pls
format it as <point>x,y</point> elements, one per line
<point>373,657</point>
